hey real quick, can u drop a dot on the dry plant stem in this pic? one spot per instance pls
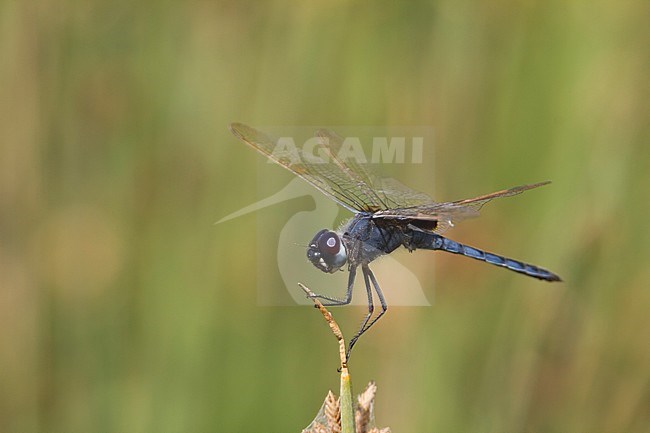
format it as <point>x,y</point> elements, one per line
<point>332,324</point>
<point>347,412</point>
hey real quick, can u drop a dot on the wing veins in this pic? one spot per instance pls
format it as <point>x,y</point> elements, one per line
<point>366,185</point>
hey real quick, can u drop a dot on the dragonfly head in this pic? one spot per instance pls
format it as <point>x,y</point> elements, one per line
<point>327,252</point>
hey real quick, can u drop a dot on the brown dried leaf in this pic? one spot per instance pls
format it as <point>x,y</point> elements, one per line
<point>328,419</point>
<point>332,409</point>
<point>363,414</point>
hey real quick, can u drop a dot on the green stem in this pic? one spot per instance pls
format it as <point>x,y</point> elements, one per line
<point>347,409</point>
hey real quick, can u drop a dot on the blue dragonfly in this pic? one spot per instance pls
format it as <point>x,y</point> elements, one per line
<point>387,216</point>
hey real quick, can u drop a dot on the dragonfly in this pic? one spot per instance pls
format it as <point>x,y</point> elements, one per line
<point>387,215</point>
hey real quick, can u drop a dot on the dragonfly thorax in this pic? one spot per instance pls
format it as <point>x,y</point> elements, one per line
<point>327,252</point>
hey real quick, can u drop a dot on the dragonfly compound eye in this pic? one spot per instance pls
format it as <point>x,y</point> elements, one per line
<point>326,251</point>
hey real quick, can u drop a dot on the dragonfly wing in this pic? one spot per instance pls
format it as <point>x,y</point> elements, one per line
<point>449,213</point>
<point>399,195</point>
<point>385,192</point>
<point>481,200</point>
<point>366,183</point>
<point>329,176</point>
<point>344,179</point>
<point>445,214</point>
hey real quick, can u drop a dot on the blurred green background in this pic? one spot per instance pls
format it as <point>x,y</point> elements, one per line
<point>123,309</point>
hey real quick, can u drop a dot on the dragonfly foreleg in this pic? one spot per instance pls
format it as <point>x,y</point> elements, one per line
<point>348,295</point>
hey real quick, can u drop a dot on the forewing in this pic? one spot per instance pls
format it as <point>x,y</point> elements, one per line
<point>333,177</point>
<point>364,181</point>
<point>399,195</point>
<point>386,193</point>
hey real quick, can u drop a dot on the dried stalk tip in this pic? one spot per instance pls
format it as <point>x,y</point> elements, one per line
<point>363,413</point>
<point>328,419</point>
<point>332,410</point>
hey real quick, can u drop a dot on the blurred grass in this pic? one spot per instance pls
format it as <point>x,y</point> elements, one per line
<point>123,309</point>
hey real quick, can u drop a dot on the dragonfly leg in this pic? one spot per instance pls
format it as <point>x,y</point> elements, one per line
<point>371,309</point>
<point>382,301</point>
<point>348,295</point>
<point>368,274</point>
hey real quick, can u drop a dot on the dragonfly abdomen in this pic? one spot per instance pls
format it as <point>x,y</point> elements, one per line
<point>432,241</point>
